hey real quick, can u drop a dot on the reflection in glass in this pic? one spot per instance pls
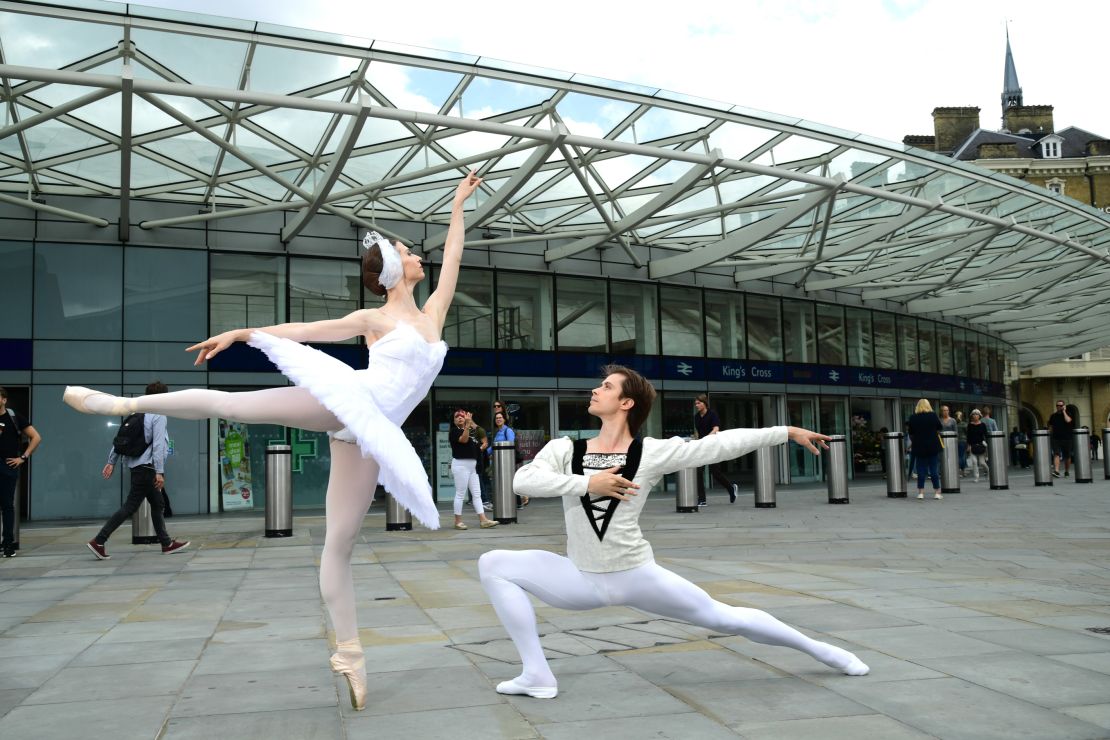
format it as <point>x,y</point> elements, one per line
<point>15,319</point>
<point>973,366</point>
<point>470,318</point>
<point>323,289</point>
<point>907,343</point>
<point>524,319</point>
<point>681,314</point>
<point>886,347</point>
<point>78,291</point>
<point>944,349</point>
<point>927,345</point>
<point>164,294</point>
<point>798,331</point>
<point>802,412</point>
<point>830,334</point>
<point>632,318</point>
<point>581,312</point>
<point>724,324</point>
<point>858,323</point>
<point>764,327</point>
<point>245,290</point>
<point>960,357</point>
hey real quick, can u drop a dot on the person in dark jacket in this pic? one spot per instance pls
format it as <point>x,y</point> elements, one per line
<point>977,443</point>
<point>924,429</point>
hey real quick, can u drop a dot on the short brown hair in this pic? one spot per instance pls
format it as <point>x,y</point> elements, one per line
<point>372,269</point>
<point>156,386</point>
<point>639,389</point>
<point>703,397</point>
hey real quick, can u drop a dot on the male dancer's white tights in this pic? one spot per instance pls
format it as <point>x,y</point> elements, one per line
<point>507,575</point>
<point>350,481</point>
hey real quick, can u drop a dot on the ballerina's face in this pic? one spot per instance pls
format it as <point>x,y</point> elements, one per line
<point>411,262</point>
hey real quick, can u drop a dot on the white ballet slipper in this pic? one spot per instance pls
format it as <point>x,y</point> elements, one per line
<point>79,398</point>
<point>856,668</point>
<point>517,688</point>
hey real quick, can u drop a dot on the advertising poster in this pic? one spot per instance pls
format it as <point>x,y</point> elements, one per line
<point>235,466</point>
<point>445,482</point>
<point>528,443</point>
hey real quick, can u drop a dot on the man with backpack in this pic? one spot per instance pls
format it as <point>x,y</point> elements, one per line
<point>13,428</point>
<point>141,443</point>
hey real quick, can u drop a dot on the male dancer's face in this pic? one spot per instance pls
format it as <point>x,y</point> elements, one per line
<point>606,401</point>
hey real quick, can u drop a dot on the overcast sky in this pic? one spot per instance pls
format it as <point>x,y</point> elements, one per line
<point>873,66</point>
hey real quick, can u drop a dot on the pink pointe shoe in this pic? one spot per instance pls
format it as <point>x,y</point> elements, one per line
<point>350,663</point>
<point>78,398</point>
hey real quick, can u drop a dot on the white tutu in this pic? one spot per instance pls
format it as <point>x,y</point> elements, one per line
<point>372,403</point>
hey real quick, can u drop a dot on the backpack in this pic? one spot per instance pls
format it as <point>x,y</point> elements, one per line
<point>131,438</point>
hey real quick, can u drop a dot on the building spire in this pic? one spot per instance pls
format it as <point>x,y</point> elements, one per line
<point>1011,90</point>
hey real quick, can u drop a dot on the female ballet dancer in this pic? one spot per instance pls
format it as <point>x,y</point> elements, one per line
<point>604,483</point>
<point>362,410</point>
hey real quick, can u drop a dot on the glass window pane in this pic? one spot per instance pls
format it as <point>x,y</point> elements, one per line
<point>927,345</point>
<point>524,316</point>
<point>320,290</point>
<point>886,347</point>
<point>830,334</point>
<point>945,351</point>
<point>78,291</point>
<point>798,331</point>
<point>764,318</point>
<point>681,318</point>
<point>165,294</point>
<point>724,324</point>
<point>973,354</point>
<point>960,359</point>
<point>858,322</point>
<point>15,319</point>
<point>634,318</point>
<point>470,318</point>
<point>907,343</point>
<point>246,290</point>
<point>581,312</point>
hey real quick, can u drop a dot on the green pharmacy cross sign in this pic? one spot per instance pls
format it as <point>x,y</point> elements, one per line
<point>301,448</point>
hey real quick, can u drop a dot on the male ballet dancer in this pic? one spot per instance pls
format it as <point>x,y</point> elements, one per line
<point>604,483</point>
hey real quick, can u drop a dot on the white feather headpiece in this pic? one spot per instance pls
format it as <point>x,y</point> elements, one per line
<point>392,271</point>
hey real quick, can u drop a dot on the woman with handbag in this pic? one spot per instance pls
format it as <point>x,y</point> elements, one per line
<point>977,443</point>
<point>924,428</point>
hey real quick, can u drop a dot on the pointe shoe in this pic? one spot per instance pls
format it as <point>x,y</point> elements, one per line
<point>856,668</point>
<point>78,397</point>
<point>516,687</point>
<point>352,666</point>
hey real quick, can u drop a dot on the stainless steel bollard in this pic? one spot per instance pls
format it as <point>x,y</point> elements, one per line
<point>893,457</point>
<point>950,463</point>
<point>1105,459</point>
<point>397,517</point>
<point>18,513</point>
<point>142,526</point>
<point>279,491</point>
<point>836,469</point>
<point>686,497</point>
<point>1042,458</point>
<point>1081,453</point>
<point>766,462</point>
<point>998,461</point>
<point>504,468</point>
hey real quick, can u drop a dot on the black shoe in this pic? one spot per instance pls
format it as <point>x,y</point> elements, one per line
<point>1055,473</point>
<point>1067,474</point>
<point>732,491</point>
<point>10,553</point>
<point>703,503</point>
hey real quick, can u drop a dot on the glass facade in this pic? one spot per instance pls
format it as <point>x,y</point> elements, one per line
<point>724,325</point>
<point>245,290</point>
<point>633,318</point>
<point>681,316</point>
<point>798,331</point>
<point>524,314</point>
<point>764,322</point>
<point>831,348</point>
<point>581,314</point>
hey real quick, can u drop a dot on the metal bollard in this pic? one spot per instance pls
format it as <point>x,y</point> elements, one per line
<point>397,517</point>
<point>997,461</point>
<point>18,513</point>
<point>504,468</point>
<point>950,463</point>
<point>766,462</point>
<point>836,469</point>
<point>1081,453</point>
<point>1105,457</point>
<point>1042,458</point>
<point>893,455</point>
<point>686,498</point>
<point>142,526</point>
<point>279,491</point>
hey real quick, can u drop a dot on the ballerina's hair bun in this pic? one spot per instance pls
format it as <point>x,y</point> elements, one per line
<point>372,270</point>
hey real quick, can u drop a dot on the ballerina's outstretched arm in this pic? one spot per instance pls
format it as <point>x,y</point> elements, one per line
<point>440,300</point>
<point>356,323</point>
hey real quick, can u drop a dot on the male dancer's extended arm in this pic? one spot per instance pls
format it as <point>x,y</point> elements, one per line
<point>668,455</point>
<point>548,475</point>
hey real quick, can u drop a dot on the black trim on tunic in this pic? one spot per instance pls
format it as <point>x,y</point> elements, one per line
<point>593,507</point>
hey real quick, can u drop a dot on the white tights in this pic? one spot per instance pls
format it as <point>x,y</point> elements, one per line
<point>507,575</point>
<point>351,480</point>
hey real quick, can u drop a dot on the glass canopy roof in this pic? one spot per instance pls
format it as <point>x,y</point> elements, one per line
<point>141,103</point>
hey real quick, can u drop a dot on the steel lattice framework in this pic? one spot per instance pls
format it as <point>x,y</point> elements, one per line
<point>246,118</point>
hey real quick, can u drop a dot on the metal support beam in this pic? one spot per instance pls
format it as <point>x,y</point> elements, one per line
<point>668,196</point>
<point>740,239</point>
<point>94,220</point>
<point>319,198</point>
<point>986,296</point>
<point>126,99</point>
<point>511,187</point>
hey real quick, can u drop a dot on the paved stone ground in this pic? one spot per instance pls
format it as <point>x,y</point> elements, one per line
<point>974,614</point>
